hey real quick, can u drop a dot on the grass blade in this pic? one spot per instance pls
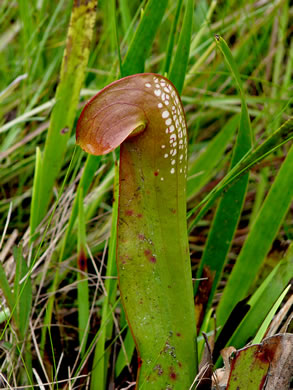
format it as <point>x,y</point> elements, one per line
<point>171,39</point>
<point>179,65</point>
<point>144,36</point>
<point>202,168</point>
<point>34,215</point>
<point>6,290</point>
<point>260,239</point>
<point>22,293</point>
<point>101,356</point>
<point>263,299</point>
<point>265,324</point>
<point>125,354</point>
<point>90,168</point>
<point>125,16</point>
<point>281,136</point>
<point>82,287</point>
<point>23,301</point>
<point>229,209</point>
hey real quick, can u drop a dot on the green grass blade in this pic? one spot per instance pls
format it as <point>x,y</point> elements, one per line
<point>263,299</point>
<point>34,215</point>
<point>22,292</point>
<point>179,65</point>
<point>122,360</point>
<point>71,78</point>
<point>25,117</point>
<point>261,187</point>
<point>113,16</point>
<point>260,239</point>
<point>125,16</point>
<point>6,290</point>
<point>202,168</point>
<point>91,166</point>
<point>23,302</point>
<point>231,64</point>
<point>42,43</point>
<point>281,136</point>
<point>283,17</point>
<point>170,45</point>
<point>288,72</point>
<point>82,287</point>
<point>205,21</point>
<point>106,184</point>
<point>46,77</point>
<point>206,327</point>
<point>26,15</point>
<point>101,356</point>
<point>265,324</point>
<point>229,209</point>
<point>144,36</point>
<point>94,341</point>
<point>28,31</point>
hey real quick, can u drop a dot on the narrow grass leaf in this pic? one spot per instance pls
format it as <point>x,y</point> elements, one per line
<point>125,17</point>
<point>263,299</point>
<point>281,136</point>
<point>101,356</point>
<point>82,287</point>
<point>69,241</point>
<point>91,166</point>
<point>94,342</point>
<point>105,185</point>
<point>125,354</point>
<point>261,187</point>
<point>171,39</point>
<point>27,115</point>
<point>6,289</point>
<point>259,240</point>
<point>205,21</point>
<point>22,292</point>
<point>113,16</point>
<point>283,18</point>
<point>11,87</point>
<point>206,327</point>
<point>23,305</point>
<point>28,26</point>
<point>143,37</point>
<point>179,65</point>
<point>202,168</point>
<point>265,324</point>
<point>50,25</point>
<point>229,209</point>
<point>34,214</point>
<point>46,77</point>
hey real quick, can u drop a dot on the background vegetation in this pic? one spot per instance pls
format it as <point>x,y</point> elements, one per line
<point>61,319</point>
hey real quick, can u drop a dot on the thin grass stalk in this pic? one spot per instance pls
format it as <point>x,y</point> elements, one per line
<point>260,239</point>
<point>228,212</point>
<point>101,355</point>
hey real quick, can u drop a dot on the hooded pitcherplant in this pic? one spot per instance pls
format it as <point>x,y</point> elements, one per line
<point>144,115</point>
